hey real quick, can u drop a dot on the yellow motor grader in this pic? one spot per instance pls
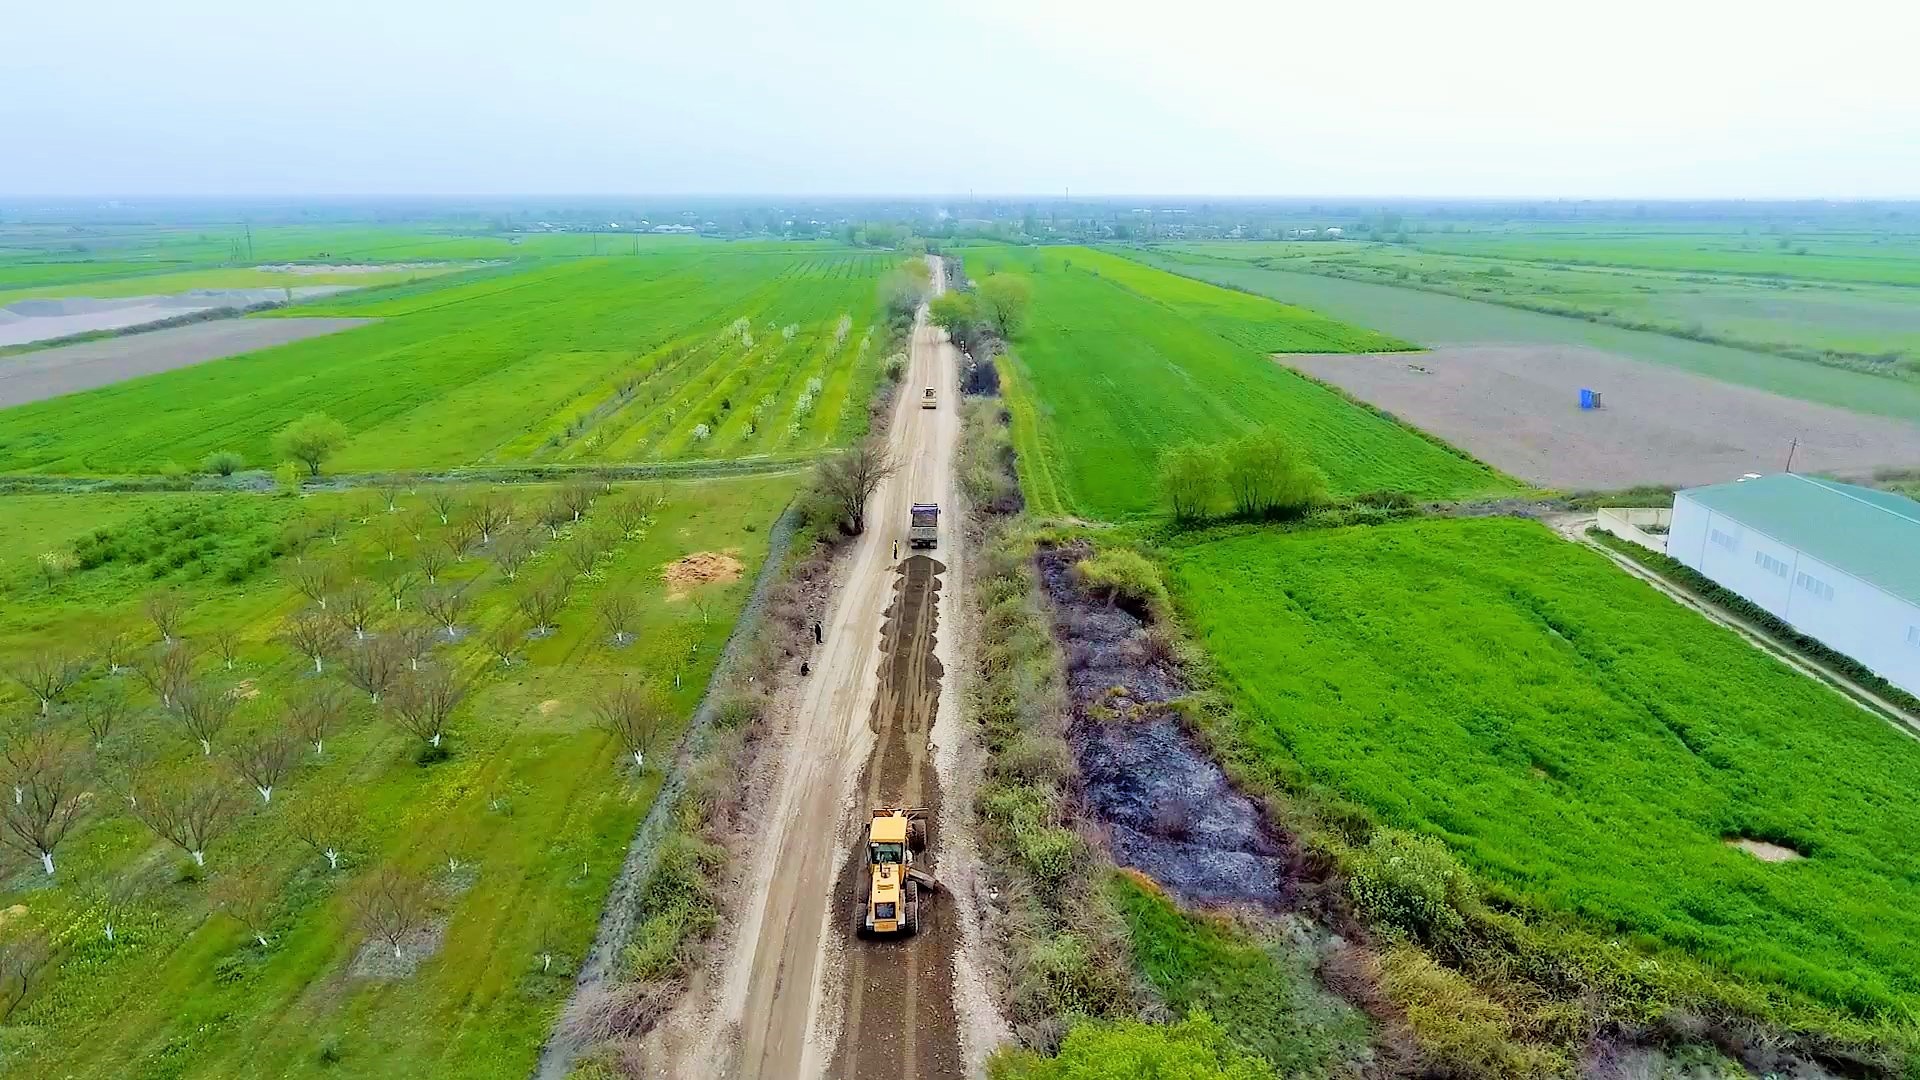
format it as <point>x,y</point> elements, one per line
<point>891,903</point>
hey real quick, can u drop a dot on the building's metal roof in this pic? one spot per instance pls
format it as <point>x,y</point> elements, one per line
<point>1872,535</point>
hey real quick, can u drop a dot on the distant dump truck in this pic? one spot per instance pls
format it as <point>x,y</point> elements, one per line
<point>924,526</point>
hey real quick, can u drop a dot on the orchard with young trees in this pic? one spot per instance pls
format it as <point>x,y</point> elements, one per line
<point>259,763</point>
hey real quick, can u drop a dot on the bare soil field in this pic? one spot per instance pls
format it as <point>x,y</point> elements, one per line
<point>68,369</point>
<point>46,318</point>
<point>1517,408</point>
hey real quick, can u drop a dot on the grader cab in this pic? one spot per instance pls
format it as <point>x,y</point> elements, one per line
<point>890,904</point>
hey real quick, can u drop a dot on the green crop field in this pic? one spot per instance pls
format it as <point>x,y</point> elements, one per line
<point>1443,315</point>
<point>1875,326</point>
<point>533,803</point>
<point>693,353</point>
<point>1119,361</point>
<point>1582,742</point>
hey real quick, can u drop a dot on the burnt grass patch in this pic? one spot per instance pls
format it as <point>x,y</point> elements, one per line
<point>1165,808</point>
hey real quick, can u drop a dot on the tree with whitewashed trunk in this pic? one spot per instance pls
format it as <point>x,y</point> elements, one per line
<point>165,609</point>
<point>264,761</point>
<point>102,712</point>
<point>203,711</point>
<point>413,640</point>
<point>47,675</point>
<point>316,714</point>
<point>488,514</point>
<point>618,611</point>
<point>398,584</point>
<point>504,638</point>
<point>315,580</point>
<point>166,669</point>
<point>313,635</point>
<point>512,551</point>
<point>578,497</point>
<point>552,514</point>
<point>48,779</point>
<point>633,712</point>
<point>372,665</point>
<point>115,648</point>
<point>357,607</point>
<point>250,898</point>
<point>431,560</point>
<point>391,905</point>
<point>458,538</point>
<point>541,602</point>
<point>189,816</point>
<point>445,603</point>
<point>326,824</point>
<point>422,703</point>
<point>226,643</point>
<point>444,501</point>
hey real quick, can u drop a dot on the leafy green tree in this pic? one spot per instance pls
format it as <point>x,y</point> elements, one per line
<point>1194,1049</point>
<point>311,439</point>
<point>1005,299</point>
<point>1269,477</point>
<point>223,462</point>
<point>1191,478</point>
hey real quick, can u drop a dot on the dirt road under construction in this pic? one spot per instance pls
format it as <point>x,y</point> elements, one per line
<point>796,994</point>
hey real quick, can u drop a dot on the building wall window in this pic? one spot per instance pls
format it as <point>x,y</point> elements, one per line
<point>1814,585</point>
<point>1725,540</point>
<point>1770,564</point>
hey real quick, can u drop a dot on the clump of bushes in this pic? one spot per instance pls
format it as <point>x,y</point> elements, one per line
<point>222,463</point>
<point>1195,1047</point>
<point>1259,477</point>
<point>1461,1031</point>
<point>224,540</point>
<point>1123,577</point>
<point>1409,884</point>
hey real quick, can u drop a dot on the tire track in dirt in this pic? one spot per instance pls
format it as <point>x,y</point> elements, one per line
<point>899,1021</point>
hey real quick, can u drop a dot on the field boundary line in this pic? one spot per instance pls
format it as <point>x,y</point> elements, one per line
<point>617,915</point>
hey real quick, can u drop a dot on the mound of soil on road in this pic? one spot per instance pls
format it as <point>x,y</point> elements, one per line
<point>1167,809</point>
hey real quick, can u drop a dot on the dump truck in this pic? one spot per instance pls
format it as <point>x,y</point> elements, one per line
<point>891,902</point>
<point>924,525</point>
<point>929,400</point>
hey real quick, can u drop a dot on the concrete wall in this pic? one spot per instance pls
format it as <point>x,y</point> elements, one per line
<point>1631,523</point>
<point>1846,614</point>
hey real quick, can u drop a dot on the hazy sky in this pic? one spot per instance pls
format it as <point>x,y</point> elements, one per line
<point>1342,97</point>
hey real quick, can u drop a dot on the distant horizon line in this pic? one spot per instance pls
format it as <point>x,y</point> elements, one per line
<point>984,196</point>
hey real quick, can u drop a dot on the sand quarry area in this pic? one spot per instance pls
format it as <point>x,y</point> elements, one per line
<point>67,369</point>
<point>1517,408</point>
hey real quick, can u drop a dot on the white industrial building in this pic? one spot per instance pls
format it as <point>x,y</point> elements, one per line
<point>1837,562</point>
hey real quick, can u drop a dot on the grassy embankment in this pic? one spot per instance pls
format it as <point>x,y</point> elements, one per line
<point>534,803</point>
<point>1120,361</point>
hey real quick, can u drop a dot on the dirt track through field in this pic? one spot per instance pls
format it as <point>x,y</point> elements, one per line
<point>68,369</point>
<point>1516,407</point>
<point>794,983</point>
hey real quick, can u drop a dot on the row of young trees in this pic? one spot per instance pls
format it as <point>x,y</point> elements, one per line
<point>1258,477</point>
<point>57,758</point>
<point>996,307</point>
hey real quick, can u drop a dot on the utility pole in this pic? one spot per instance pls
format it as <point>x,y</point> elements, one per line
<point>248,225</point>
<point>1790,450</point>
